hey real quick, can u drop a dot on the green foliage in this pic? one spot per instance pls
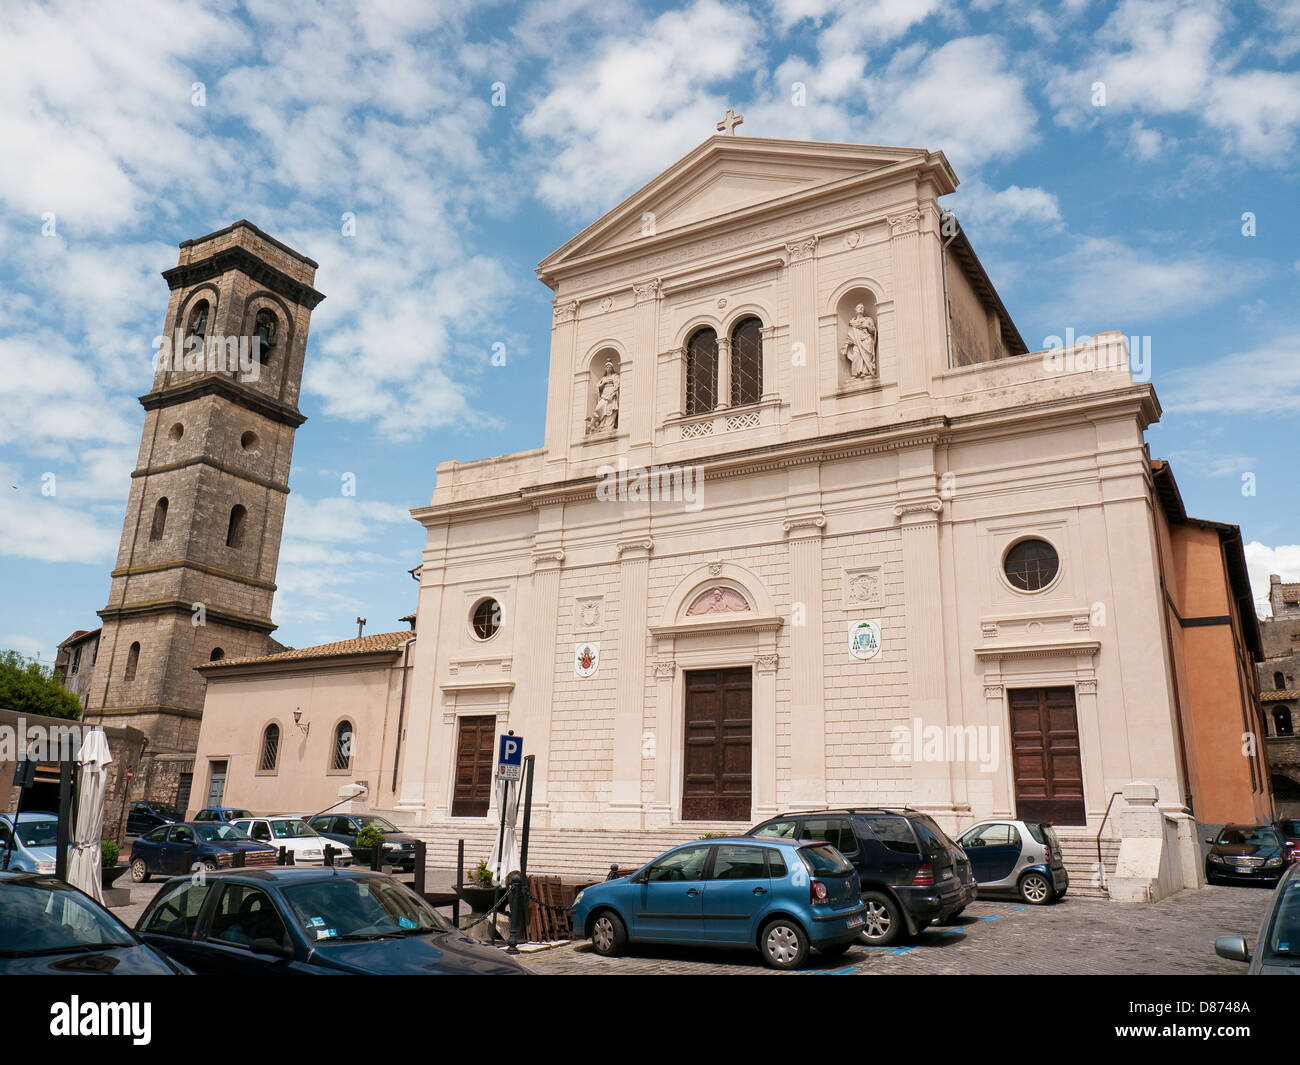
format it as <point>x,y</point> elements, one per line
<point>481,874</point>
<point>110,851</point>
<point>27,687</point>
<point>369,838</point>
<point>714,835</point>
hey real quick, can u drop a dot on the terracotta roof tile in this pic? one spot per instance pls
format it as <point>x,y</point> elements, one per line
<point>1277,697</point>
<point>379,642</point>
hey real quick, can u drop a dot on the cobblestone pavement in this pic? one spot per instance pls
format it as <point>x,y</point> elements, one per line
<point>1077,935</point>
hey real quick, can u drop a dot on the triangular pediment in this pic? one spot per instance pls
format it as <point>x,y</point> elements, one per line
<point>726,176</point>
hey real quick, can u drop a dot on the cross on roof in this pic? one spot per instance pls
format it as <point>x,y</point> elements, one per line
<point>730,122</point>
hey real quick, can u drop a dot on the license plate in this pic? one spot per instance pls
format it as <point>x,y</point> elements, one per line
<point>855,920</point>
<point>1243,868</point>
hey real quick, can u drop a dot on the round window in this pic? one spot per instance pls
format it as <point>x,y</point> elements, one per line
<point>248,441</point>
<point>1031,565</point>
<point>176,431</point>
<point>487,619</point>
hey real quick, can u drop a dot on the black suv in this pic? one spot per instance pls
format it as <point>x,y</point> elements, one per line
<point>911,872</point>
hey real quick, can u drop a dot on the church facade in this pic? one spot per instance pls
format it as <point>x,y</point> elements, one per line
<point>810,527</point>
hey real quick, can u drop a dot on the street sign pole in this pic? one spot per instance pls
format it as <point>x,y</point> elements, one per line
<point>519,902</point>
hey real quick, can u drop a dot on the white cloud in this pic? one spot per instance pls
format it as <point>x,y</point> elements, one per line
<point>1003,213</point>
<point>44,529</point>
<point>1261,560</point>
<point>1261,381</point>
<point>28,645</point>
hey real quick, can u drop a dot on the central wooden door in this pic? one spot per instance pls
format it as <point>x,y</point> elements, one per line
<point>719,725</point>
<point>1045,755</point>
<point>473,791</point>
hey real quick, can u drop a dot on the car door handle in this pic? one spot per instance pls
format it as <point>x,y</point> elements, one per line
<point>692,892</point>
<point>760,891</point>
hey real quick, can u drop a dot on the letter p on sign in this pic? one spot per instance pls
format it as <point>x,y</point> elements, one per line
<point>510,757</point>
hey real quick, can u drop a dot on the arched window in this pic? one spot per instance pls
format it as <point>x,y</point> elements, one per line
<point>265,330</point>
<point>270,749</point>
<point>217,654</point>
<point>159,519</point>
<point>747,362</point>
<point>235,530</point>
<point>343,739</point>
<point>1282,723</point>
<point>1279,682</point>
<point>132,661</point>
<point>198,321</point>
<point>702,372</point>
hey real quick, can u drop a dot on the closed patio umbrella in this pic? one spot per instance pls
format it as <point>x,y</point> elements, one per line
<point>505,846</point>
<point>83,863</point>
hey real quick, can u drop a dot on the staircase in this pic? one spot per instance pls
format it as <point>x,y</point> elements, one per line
<point>1080,853</point>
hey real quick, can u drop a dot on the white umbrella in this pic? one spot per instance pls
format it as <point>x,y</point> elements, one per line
<point>505,845</point>
<point>83,864</point>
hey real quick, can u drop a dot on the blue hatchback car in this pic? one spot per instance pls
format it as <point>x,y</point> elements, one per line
<point>781,897</point>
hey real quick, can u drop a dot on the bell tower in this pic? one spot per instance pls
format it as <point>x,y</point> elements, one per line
<point>195,571</point>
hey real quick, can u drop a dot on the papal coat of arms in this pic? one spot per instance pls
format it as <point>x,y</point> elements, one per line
<point>864,639</point>
<point>586,659</point>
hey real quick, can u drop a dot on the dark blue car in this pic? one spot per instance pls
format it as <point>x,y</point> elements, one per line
<point>146,816</point>
<point>778,896</point>
<point>294,920</point>
<point>50,929</point>
<point>180,848</point>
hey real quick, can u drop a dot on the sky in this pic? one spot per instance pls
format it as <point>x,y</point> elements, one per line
<point>1124,166</point>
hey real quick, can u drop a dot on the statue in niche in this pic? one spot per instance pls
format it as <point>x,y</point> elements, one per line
<point>604,416</point>
<point>860,343</point>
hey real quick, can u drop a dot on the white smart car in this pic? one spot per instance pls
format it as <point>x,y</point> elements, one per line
<point>283,830</point>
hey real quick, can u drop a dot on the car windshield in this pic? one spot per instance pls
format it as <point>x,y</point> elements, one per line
<point>370,908</point>
<point>291,829</point>
<point>216,830</point>
<point>1283,939</point>
<point>162,810</point>
<point>38,833</point>
<point>1255,837</point>
<point>46,918</point>
<point>379,823</point>
<point>825,860</point>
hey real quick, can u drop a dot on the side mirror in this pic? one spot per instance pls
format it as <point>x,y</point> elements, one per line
<point>640,878</point>
<point>270,947</point>
<point>1209,841</point>
<point>1232,947</point>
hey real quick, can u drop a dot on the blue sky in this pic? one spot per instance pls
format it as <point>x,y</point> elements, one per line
<point>1124,214</point>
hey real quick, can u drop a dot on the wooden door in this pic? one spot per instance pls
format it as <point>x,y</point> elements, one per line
<point>719,716</point>
<point>473,790</point>
<point>1045,755</point>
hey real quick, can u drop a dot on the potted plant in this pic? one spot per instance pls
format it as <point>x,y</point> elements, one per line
<point>109,870</point>
<point>478,890</point>
<point>369,840</point>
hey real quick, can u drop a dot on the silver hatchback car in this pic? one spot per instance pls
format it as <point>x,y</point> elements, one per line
<point>1016,858</point>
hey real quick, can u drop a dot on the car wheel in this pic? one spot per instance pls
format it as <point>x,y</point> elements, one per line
<point>139,871</point>
<point>210,865</point>
<point>1035,889</point>
<point>783,944</point>
<point>608,934</point>
<point>882,921</point>
<point>834,950</point>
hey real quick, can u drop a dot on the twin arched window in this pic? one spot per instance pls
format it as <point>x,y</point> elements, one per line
<point>199,320</point>
<point>264,329</point>
<point>1282,723</point>
<point>744,366</point>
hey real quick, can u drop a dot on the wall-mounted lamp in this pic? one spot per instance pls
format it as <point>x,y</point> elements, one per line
<point>297,720</point>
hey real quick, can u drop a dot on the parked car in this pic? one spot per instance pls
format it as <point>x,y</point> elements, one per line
<point>144,816</point>
<point>34,847</point>
<point>1243,853</point>
<point>1289,829</point>
<point>293,920</point>
<point>1021,858</point>
<point>222,813</point>
<point>1278,951</point>
<point>399,847</point>
<point>295,835</point>
<point>911,873</point>
<point>180,847</point>
<point>781,897</point>
<point>50,929</point>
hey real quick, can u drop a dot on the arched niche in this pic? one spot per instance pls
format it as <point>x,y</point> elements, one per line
<point>857,337</point>
<point>605,383</point>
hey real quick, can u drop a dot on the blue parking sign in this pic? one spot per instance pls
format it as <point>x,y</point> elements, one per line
<point>510,757</point>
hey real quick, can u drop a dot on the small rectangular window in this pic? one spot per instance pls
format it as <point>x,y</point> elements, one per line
<point>776,867</point>
<point>176,913</point>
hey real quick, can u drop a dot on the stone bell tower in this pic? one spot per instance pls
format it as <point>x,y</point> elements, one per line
<point>195,570</point>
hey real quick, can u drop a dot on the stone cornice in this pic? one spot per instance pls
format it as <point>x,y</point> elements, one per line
<point>213,385</point>
<point>199,567</point>
<point>212,463</point>
<point>1077,648</point>
<point>240,258</point>
<point>158,607</point>
<point>730,624</point>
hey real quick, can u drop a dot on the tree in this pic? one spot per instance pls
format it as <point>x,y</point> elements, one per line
<point>27,687</point>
